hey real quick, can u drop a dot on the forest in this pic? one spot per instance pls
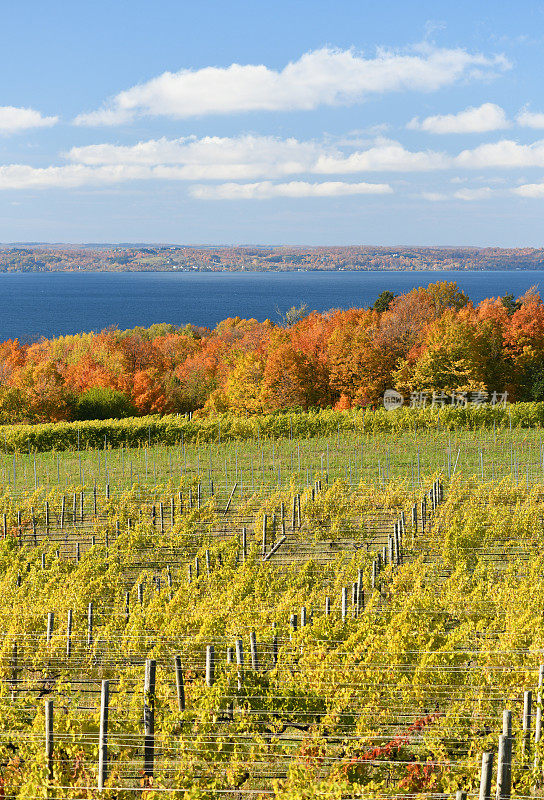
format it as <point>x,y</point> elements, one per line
<point>432,345</point>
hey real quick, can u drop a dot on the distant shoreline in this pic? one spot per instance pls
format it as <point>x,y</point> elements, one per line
<point>250,259</point>
<point>223,272</point>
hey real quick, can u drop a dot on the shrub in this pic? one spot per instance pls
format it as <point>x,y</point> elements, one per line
<point>101,402</point>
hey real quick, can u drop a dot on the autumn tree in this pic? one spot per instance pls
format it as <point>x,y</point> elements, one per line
<point>244,385</point>
<point>288,377</point>
<point>452,359</point>
<point>524,344</point>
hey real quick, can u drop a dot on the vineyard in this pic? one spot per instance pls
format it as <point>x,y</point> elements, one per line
<point>345,612</point>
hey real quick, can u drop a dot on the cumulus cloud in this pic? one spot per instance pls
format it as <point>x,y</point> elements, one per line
<point>481,119</point>
<point>265,190</point>
<point>532,190</point>
<point>506,154</point>
<point>320,77</point>
<point>14,120</point>
<point>433,197</point>
<point>470,195</point>
<point>530,119</point>
<point>192,150</point>
<point>22,176</point>
<point>384,156</point>
<point>251,156</point>
<point>210,157</point>
<point>244,160</point>
<point>483,193</point>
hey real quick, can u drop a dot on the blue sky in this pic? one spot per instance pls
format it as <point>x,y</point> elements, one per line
<point>273,122</point>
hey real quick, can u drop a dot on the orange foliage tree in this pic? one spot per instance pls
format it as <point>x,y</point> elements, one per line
<point>429,339</point>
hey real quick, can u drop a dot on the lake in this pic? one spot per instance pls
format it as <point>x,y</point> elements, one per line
<point>55,303</point>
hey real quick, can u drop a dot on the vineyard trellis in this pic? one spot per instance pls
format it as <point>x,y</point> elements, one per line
<point>323,633</point>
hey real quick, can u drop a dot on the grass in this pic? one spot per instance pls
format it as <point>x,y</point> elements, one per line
<point>255,464</point>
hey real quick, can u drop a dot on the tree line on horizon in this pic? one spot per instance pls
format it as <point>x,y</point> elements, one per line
<point>428,340</point>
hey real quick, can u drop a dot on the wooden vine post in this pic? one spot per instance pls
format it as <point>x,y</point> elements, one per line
<point>486,775</point>
<point>180,688</point>
<point>103,735</point>
<point>49,744</point>
<point>149,716</point>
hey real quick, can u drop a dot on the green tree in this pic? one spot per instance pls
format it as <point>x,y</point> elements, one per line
<point>101,402</point>
<point>510,303</point>
<point>383,301</point>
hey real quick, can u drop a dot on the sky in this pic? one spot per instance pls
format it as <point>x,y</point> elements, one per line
<point>299,122</point>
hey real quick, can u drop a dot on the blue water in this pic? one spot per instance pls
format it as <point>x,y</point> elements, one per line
<point>51,304</point>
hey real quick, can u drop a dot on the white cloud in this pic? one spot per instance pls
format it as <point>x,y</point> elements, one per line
<point>433,197</point>
<point>260,156</point>
<point>532,190</point>
<point>14,120</point>
<point>211,157</point>
<point>505,154</point>
<point>392,156</point>
<point>266,158</point>
<point>484,193</point>
<point>249,157</point>
<point>22,176</point>
<point>293,189</point>
<point>530,119</point>
<point>487,117</point>
<point>384,156</point>
<point>321,77</point>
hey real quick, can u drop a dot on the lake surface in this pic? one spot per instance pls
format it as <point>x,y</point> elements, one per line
<point>56,303</point>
